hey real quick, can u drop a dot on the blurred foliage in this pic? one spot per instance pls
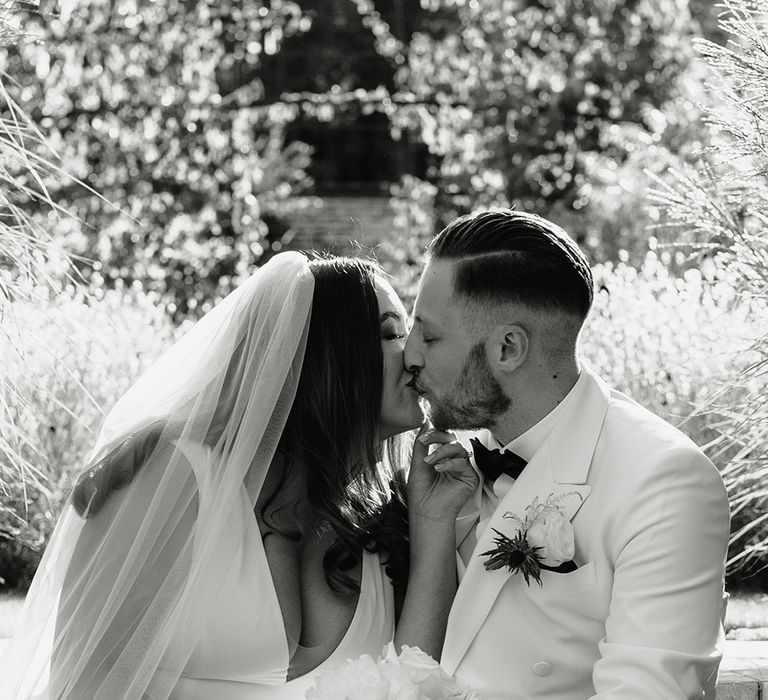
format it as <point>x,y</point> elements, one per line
<point>556,107</point>
<point>158,107</point>
<point>413,226</point>
<point>192,118</point>
<point>718,213</point>
<point>11,31</point>
<point>67,358</point>
<point>32,261</point>
<point>669,341</point>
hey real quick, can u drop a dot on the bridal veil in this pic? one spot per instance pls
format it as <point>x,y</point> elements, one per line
<point>129,566</point>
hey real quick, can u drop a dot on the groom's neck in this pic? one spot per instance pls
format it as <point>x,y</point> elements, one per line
<point>534,394</point>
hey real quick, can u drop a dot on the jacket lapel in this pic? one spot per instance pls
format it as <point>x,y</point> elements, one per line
<point>465,523</point>
<point>559,467</point>
<point>470,513</point>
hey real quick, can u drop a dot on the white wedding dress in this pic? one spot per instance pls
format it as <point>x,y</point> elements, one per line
<point>243,651</point>
<point>164,589</point>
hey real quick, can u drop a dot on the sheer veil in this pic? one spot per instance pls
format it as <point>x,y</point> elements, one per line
<point>138,552</point>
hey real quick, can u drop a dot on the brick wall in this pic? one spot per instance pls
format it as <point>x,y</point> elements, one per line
<point>332,222</point>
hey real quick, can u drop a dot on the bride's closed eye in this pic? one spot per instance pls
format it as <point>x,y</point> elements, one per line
<point>392,332</point>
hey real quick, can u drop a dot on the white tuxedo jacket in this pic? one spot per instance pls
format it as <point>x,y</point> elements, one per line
<point>640,616</point>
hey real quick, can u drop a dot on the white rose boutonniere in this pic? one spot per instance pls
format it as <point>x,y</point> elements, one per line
<point>544,540</point>
<point>553,533</point>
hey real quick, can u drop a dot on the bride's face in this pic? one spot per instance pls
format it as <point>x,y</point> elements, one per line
<point>400,409</point>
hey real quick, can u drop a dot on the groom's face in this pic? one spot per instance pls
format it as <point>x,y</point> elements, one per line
<point>449,363</point>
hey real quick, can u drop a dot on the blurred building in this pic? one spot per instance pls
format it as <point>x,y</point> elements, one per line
<point>355,157</point>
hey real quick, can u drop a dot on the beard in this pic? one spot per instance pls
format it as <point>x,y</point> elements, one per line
<point>476,400</point>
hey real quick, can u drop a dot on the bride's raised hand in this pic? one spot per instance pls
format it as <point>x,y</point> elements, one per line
<point>440,482</point>
<point>438,486</point>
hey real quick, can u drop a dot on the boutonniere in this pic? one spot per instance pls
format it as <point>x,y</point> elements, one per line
<point>544,540</point>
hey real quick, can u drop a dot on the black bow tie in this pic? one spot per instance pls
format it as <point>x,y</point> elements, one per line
<point>493,463</point>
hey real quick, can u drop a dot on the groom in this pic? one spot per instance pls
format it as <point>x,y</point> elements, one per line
<point>622,599</point>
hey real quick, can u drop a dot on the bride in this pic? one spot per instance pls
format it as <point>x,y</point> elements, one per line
<point>240,526</point>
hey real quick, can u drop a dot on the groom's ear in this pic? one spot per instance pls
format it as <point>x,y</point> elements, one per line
<point>508,347</point>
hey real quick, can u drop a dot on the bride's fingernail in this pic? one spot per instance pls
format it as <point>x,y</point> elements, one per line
<point>424,439</point>
<point>429,459</point>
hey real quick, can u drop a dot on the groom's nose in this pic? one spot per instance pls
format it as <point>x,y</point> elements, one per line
<point>412,357</point>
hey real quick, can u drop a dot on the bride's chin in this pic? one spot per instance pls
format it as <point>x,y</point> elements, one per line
<point>412,418</point>
<point>418,412</point>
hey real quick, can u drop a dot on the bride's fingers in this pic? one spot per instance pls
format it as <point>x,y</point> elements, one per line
<point>420,448</point>
<point>451,450</point>
<point>460,469</point>
<point>431,436</point>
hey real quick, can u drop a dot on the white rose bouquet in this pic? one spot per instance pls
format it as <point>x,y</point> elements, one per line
<point>410,675</point>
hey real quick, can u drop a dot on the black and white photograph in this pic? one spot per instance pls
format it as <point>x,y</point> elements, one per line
<point>383,350</point>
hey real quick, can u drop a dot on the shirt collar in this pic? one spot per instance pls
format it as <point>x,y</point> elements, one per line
<point>527,444</point>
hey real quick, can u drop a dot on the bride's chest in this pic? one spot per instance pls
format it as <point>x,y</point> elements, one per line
<point>315,616</point>
<point>326,613</point>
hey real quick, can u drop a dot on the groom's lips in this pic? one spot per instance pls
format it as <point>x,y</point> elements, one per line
<point>413,385</point>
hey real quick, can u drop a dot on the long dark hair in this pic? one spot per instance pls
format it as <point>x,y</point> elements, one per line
<point>329,440</point>
<point>330,434</point>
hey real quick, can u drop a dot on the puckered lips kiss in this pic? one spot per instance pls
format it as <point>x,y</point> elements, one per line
<point>413,385</point>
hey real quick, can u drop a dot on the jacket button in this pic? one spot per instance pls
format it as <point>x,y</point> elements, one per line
<point>542,668</point>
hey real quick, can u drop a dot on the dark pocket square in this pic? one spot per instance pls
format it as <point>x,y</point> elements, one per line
<point>565,568</point>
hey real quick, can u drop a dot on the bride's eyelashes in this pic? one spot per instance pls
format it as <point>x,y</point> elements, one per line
<point>390,333</point>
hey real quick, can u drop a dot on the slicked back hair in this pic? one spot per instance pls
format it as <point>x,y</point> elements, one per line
<point>507,256</point>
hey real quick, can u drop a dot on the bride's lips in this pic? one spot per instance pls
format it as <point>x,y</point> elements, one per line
<point>413,385</point>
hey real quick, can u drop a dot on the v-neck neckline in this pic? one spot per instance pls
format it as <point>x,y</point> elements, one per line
<point>275,600</point>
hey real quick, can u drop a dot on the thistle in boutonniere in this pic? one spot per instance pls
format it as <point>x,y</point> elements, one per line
<point>544,540</point>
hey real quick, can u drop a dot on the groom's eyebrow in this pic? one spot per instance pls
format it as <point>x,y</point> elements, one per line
<point>422,322</point>
<point>391,314</point>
